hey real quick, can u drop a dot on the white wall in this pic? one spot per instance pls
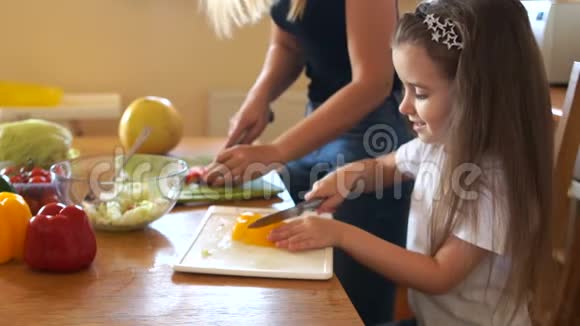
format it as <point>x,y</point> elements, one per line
<point>133,47</point>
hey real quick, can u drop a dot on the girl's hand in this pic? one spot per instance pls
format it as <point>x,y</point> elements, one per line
<point>249,122</point>
<point>308,233</point>
<point>336,186</point>
<point>242,163</point>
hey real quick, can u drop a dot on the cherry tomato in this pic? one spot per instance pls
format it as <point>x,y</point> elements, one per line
<point>17,179</point>
<point>39,172</point>
<point>9,171</point>
<point>37,179</point>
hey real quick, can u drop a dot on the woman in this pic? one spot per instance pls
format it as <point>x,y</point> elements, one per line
<point>344,45</point>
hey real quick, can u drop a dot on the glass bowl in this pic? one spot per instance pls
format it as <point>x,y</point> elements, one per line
<point>37,193</point>
<point>145,190</point>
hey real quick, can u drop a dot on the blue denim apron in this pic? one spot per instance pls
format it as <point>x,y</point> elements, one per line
<point>381,132</point>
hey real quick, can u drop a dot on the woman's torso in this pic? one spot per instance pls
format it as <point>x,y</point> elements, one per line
<point>321,32</point>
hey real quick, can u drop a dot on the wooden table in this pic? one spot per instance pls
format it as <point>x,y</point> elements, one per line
<point>131,281</point>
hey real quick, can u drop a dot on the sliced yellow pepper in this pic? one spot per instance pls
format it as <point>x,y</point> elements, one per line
<point>257,237</point>
<point>14,218</point>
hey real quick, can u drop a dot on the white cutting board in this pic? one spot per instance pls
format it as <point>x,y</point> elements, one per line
<point>228,257</point>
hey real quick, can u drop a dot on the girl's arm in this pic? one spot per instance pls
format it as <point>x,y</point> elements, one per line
<point>452,263</point>
<point>435,275</point>
<point>370,25</point>
<point>367,175</point>
<point>379,173</point>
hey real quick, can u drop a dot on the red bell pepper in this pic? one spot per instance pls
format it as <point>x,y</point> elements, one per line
<point>60,239</point>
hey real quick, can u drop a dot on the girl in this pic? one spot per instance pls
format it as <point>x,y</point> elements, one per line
<point>344,47</point>
<point>477,97</point>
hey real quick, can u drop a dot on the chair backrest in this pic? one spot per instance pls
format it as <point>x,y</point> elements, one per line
<point>567,297</point>
<point>560,302</point>
<point>567,141</point>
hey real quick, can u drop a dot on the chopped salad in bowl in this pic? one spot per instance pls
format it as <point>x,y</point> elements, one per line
<point>121,200</point>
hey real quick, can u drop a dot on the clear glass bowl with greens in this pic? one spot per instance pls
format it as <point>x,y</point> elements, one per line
<point>145,190</point>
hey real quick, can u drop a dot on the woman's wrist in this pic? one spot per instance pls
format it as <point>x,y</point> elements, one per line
<point>256,100</point>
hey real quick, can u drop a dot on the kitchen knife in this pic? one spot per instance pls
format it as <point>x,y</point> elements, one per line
<point>287,213</point>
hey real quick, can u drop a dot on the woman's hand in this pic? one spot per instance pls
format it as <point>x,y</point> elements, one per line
<point>336,186</point>
<point>249,122</point>
<point>243,163</point>
<point>308,233</point>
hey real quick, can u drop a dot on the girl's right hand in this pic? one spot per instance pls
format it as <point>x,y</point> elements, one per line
<point>249,122</point>
<point>336,186</point>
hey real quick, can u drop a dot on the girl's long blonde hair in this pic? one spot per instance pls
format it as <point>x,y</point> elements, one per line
<point>225,15</point>
<point>500,113</point>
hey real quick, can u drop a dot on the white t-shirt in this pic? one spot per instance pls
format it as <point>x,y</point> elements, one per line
<point>475,300</point>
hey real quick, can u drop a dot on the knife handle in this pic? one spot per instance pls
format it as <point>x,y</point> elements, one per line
<point>312,204</point>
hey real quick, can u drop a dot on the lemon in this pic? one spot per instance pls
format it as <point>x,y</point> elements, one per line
<point>157,113</point>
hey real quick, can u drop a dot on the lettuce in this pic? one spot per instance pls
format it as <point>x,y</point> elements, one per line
<point>34,141</point>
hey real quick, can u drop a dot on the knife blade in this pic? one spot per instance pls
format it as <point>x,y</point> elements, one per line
<point>287,213</point>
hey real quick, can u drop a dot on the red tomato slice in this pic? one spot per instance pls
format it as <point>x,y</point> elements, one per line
<point>195,173</point>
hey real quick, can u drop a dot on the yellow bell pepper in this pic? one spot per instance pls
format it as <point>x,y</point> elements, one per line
<point>257,237</point>
<point>14,218</point>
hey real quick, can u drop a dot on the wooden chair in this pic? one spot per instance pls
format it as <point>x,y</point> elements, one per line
<point>561,301</point>
<point>567,140</point>
<point>567,295</point>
